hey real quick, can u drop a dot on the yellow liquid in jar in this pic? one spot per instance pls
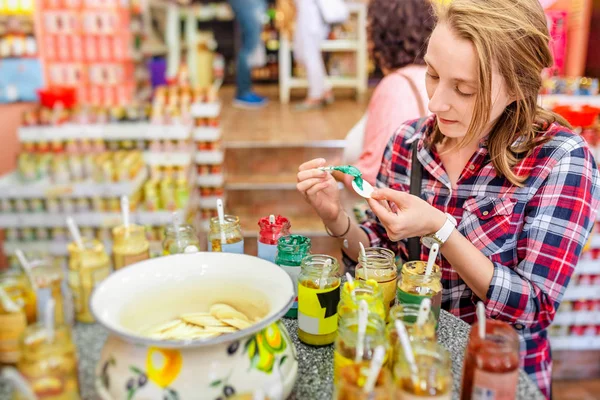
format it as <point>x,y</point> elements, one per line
<point>343,360</point>
<point>387,286</point>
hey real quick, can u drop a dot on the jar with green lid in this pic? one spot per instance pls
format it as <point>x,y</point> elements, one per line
<point>347,346</point>
<point>352,294</point>
<point>180,239</point>
<point>129,245</point>
<point>318,298</point>
<point>49,363</point>
<point>414,285</point>
<point>226,237</point>
<point>377,263</point>
<point>408,314</point>
<point>88,266</point>
<point>291,250</point>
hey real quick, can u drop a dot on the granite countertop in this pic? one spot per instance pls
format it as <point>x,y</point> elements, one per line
<point>315,374</point>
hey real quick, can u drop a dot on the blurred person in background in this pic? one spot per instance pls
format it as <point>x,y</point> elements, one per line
<point>250,16</point>
<point>311,29</point>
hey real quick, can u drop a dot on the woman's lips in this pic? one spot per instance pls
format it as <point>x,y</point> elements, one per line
<point>447,121</point>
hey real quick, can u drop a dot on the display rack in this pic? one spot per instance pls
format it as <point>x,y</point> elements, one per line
<point>287,81</point>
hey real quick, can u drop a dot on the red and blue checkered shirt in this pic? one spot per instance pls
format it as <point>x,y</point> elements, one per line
<point>533,234</point>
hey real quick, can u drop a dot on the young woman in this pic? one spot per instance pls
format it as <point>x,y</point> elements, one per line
<point>398,49</point>
<point>508,190</point>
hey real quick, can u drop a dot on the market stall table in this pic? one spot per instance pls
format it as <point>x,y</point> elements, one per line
<point>315,374</point>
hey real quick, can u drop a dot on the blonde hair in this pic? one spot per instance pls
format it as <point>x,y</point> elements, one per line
<point>511,35</point>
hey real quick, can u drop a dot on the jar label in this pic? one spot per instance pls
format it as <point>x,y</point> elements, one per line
<point>409,298</point>
<point>122,260</point>
<point>317,309</point>
<point>236,248</point>
<point>494,386</point>
<point>42,297</point>
<point>293,272</point>
<point>267,251</point>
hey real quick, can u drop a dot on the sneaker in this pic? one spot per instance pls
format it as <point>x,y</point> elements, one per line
<point>250,101</point>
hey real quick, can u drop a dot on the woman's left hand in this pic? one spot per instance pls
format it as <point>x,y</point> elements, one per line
<point>407,215</point>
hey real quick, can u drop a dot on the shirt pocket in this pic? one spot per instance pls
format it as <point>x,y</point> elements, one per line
<point>486,222</point>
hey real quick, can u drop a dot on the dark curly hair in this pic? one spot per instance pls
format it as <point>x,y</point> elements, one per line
<point>399,31</point>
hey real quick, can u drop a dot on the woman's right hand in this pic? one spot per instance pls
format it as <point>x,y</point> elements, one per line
<point>320,189</point>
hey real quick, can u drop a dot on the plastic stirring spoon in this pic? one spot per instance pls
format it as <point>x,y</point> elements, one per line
<point>374,369</point>
<point>21,385</point>
<point>481,320</point>
<point>363,254</point>
<point>324,274</point>
<point>7,303</point>
<point>272,219</point>
<point>408,352</point>
<point>49,320</point>
<point>363,317</point>
<point>351,285</point>
<point>366,191</point>
<point>433,252</point>
<point>125,211</point>
<point>75,233</point>
<point>424,311</point>
<point>221,214</point>
<point>26,267</point>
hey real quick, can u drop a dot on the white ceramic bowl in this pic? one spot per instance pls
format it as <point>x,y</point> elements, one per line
<point>154,291</point>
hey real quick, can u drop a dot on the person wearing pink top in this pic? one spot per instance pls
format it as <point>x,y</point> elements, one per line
<point>398,33</point>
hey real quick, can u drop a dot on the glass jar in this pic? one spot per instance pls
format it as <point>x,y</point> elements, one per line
<point>269,234</point>
<point>20,289</point>
<point>87,267</point>
<point>318,298</point>
<point>347,341</point>
<point>491,366</point>
<point>408,313</point>
<point>351,295</point>
<point>179,240</point>
<point>433,379</point>
<point>414,285</point>
<point>49,364</point>
<point>352,380</point>
<point>378,264</point>
<point>13,322</point>
<point>226,237</point>
<point>129,245</point>
<point>291,250</point>
<point>48,278</point>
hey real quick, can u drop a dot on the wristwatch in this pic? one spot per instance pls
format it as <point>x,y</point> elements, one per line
<point>442,235</point>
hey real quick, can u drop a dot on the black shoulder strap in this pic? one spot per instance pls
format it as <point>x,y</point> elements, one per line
<point>416,177</point>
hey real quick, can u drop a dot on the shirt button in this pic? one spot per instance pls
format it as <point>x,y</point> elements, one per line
<point>485,213</point>
<point>519,327</point>
<point>471,167</point>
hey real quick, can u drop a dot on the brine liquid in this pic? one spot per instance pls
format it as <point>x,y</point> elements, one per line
<point>387,286</point>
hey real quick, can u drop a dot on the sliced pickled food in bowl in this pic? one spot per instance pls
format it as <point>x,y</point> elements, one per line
<point>221,319</point>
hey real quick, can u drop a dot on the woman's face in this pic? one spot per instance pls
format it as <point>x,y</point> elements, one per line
<point>452,83</point>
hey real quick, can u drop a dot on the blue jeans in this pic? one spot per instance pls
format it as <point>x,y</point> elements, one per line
<point>249,14</point>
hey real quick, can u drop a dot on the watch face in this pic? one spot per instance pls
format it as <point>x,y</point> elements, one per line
<point>427,241</point>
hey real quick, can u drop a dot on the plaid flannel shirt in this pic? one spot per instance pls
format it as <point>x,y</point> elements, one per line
<point>533,235</point>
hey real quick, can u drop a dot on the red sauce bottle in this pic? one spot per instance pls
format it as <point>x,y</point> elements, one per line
<point>491,365</point>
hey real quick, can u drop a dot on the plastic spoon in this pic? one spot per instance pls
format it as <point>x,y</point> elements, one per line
<point>374,369</point>
<point>351,285</point>
<point>26,267</point>
<point>433,252</point>
<point>424,311</point>
<point>75,233</point>
<point>272,219</point>
<point>366,191</point>
<point>363,255</point>
<point>408,352</point>
<point>324,274</point>
<point>363,317</point>
<point>221,214</point>
<point>20,383</point>
<point>125,211</point>
<point>481,320</point>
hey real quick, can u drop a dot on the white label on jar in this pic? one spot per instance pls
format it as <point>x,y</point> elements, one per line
<point>43,295</point>
<point>293,272</point>
<point>267,251</point>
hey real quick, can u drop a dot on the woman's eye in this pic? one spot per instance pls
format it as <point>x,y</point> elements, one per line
<point>463,94</point>
<point>432,76</point>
